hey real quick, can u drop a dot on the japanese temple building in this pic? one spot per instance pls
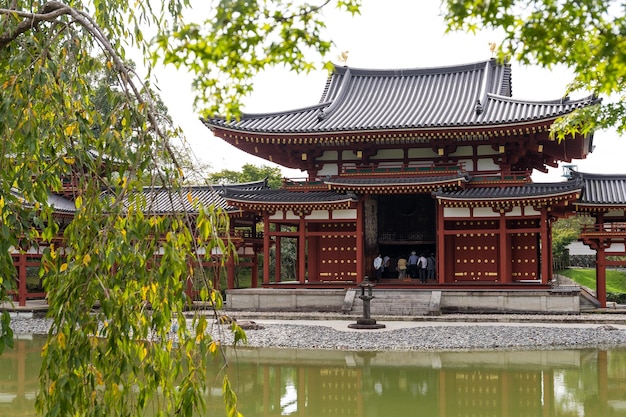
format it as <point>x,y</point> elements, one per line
<point>432,160</point>
<point>435,160</point>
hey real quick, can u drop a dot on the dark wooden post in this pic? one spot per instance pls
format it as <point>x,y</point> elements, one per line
<point>441,246</point>
<point>368,212</point>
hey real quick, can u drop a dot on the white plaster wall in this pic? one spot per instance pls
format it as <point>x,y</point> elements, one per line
<point>463,151</point>
<point>328,169</point>
<point>483,150</point>
<point>487,164</point>
<point>615,213</point>
<point>515,212</point>
<point>485,212</point>
<point>616,247</point>
<point>389,154</point>
<point>277,216</point>
<point>422,153</point>
<point>246,250</point>
<point>456,212</point>
<point>31,251</point>
<point>349,214</point>
<point>328,156</point>
<point>318,215</point>
<point>530,210</point>
<point>349,155</point>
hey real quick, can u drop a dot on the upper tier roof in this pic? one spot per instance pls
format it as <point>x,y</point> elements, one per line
<point>602,189</point>
<point>161,200</point>
<point>471,95</point>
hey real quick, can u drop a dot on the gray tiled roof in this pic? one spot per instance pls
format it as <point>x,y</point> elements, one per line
<point>282,196</point>
<point>361,99</point>
<point>163,200</point>
<point>512,192</point>
<point>603,189</point>
<point>61,204</point>
<point>58,203</point>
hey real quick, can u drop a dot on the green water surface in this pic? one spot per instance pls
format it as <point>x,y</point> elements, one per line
<point>317,383</point>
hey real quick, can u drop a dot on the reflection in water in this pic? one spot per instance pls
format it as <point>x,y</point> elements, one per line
<point>316,383</point>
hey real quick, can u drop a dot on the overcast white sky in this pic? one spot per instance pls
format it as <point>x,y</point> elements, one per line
<point>389,34</point>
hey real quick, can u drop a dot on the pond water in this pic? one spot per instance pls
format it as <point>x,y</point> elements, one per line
<point>317,383</point>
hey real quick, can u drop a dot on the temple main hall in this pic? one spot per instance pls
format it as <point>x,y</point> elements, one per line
<point>435,161</point>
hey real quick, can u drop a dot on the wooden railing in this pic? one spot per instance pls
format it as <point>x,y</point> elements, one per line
<point>489,177</point>
<point>616,228</point>
<point>383,168</point>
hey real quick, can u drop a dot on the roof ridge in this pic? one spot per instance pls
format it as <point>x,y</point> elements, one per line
<point>563,100</point>
<point>249,116</point>
<point>344,88</point>
<point>398,72</point>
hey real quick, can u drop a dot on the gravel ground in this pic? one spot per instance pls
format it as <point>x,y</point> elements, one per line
<point>440,338</point>
<point>444,333</point>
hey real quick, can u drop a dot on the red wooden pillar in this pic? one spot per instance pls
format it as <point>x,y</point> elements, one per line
<point>266,248</point>
<point>313,262</point>
<point>601,274</point>
<point>302,250</point>
<point>230,272</point>
<point>601,264</point>
<point>440,246</point>
<point>21,289</point>
<point>360,244</point>
<point>189,285</point>
<point>505,251</point>
<point>546,247</point>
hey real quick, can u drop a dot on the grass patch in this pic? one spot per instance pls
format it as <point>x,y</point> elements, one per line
<point>615,281</point>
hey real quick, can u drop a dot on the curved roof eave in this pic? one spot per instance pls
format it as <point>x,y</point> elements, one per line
<point>509,198</point>
<point>289,203</point>
<point>600,206</point>
<point>411,129</point>
<point>527,192</point>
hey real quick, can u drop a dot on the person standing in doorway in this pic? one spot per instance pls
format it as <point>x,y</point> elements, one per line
<point>412,265</point>
<point>430,267</point>
<point>378,267</point>
<point>401,267</point>
<point>422,265</point>
<point>386,267</point>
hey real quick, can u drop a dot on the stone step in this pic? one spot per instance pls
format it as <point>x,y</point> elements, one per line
<point>413,303</point>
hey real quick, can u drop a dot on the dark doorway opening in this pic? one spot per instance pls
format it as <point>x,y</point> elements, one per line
<point>406,223</point>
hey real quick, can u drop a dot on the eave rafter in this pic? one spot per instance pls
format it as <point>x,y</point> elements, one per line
<point>384,137</point>
<point>598,208</point>
<point>302,208</point>
<point>505,203</point>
